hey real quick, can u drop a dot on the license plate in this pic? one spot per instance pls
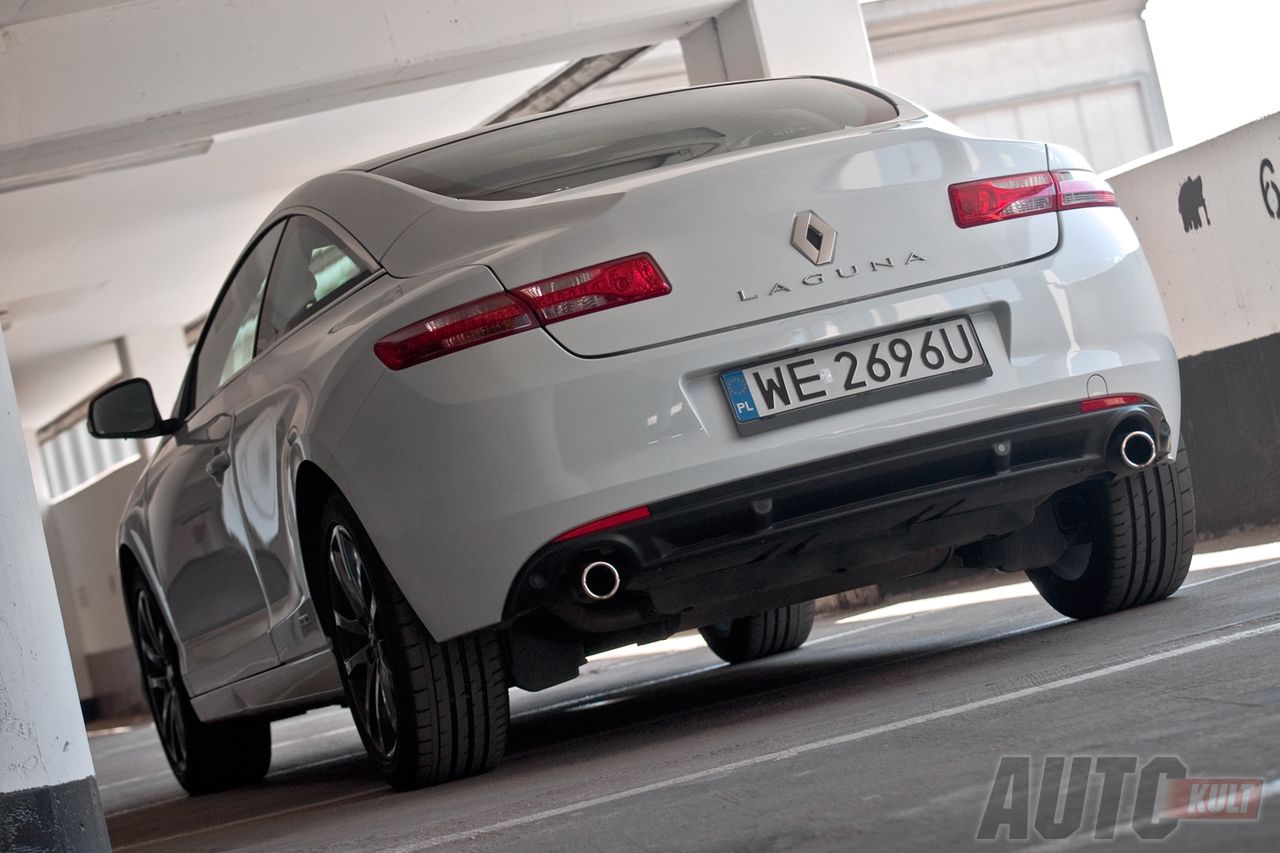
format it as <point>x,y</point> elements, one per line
<point>843,376</point>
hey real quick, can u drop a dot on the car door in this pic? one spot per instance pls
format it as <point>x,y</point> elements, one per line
<point>313,269</point>
<point>210,582</point>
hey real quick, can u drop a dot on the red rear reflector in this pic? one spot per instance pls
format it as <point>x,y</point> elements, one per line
<point>1083,189</point>
<point>471,323</point>
<point>997,199</point>
<point>1097,404</point>
<point>595,288</point>
<point>604,523</point>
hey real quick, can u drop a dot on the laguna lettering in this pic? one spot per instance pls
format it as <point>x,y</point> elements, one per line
<point>817,278</point>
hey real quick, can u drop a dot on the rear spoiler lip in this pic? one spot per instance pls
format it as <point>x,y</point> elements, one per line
<point>906,110</point>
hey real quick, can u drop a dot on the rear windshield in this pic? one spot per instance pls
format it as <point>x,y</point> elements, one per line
<point>583,147</point>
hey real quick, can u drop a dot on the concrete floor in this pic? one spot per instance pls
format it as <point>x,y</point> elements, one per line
<point>883,732</point>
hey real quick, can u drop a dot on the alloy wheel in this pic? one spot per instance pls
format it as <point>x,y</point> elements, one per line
<point>362,652</point>
<point>161,678</point>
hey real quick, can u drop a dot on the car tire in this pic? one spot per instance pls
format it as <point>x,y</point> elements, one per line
<point>204,757</point>
<point>1143,536</point>
<point>772,632</point>
<point>427,712</point>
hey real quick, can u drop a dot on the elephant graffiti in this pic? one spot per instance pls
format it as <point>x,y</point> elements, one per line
<point>1191,202</point>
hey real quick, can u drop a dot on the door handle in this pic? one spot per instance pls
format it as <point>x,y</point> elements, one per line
<point>218,465</point>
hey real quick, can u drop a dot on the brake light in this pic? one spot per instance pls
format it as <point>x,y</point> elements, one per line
<point>472,323</point>
<point>1013,196</point>
<point>596,288</point>
<point>1097,404</point>
<point>573,294</point>
<point>604,523</point>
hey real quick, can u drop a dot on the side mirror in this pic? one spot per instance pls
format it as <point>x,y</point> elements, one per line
<point>127,410</point>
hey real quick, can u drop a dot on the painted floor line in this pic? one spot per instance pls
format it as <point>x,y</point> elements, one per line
<point>166,774</point>
<point>133,780</point>
<point>349,728</point>
<point>333,759</point>
<point>144,806</point>
<point>829,637</point>
<point>117,750</point>
<point>839,740</point>
<point>1266,565</point>
<point>228,824</point>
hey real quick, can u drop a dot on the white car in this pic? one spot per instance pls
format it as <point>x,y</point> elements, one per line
<point>470,412</point>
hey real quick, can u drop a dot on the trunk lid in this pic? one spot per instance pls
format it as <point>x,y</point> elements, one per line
<point>782,232</point>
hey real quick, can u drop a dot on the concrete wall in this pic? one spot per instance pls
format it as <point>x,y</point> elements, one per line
<point>1209,220</point>
<point>1079,73</point>
<point>81,531</point>
<point>1076,72</point>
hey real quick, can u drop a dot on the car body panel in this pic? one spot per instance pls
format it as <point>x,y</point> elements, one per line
<point>296,406</point>
<point>200,550</point>
<point>374,210</point>
<point>550,440</point>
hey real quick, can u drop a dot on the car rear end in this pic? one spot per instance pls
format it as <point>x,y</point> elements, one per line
<point>744,346</point>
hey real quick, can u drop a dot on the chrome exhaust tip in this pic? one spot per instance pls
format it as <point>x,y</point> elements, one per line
<point>1138,450</point>
<point>600,581</point>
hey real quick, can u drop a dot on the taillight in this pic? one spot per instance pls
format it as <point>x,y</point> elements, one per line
<point>1115,401</point>
<point>1013,196</point>
<point>595,288</point>
<point>604,523</point>
<point>1083,189</point>
<point>573,294</point>
<point>472,323</point>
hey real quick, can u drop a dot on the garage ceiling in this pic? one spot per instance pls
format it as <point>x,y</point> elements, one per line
<point>141,143</point>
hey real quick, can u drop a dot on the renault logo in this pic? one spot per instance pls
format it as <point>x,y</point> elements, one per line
<point>813,237</point>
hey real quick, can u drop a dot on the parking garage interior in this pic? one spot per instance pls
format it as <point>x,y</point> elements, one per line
<point>141,144</point>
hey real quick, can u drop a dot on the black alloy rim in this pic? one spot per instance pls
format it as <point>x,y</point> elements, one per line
<point>161,678</point>
<point>361,651</point>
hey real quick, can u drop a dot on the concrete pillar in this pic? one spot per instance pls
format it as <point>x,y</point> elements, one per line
<point>48,794</point>
<point>780,38</point>
<point>63,584</point>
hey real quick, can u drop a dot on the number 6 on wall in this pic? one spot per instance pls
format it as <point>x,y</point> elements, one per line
<point>1270,192</point>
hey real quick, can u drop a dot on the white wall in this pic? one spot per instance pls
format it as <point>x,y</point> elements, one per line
<point>1079,74</point>
<point>83,523</point>
<point>1106,123</point>
<point>1221,282</point>
<point>48,387</point>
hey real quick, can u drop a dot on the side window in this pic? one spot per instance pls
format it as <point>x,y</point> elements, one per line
<point>228,340</point>
<point>312,269</point>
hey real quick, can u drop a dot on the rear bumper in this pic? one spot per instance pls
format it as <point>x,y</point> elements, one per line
<point>832,525</point>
